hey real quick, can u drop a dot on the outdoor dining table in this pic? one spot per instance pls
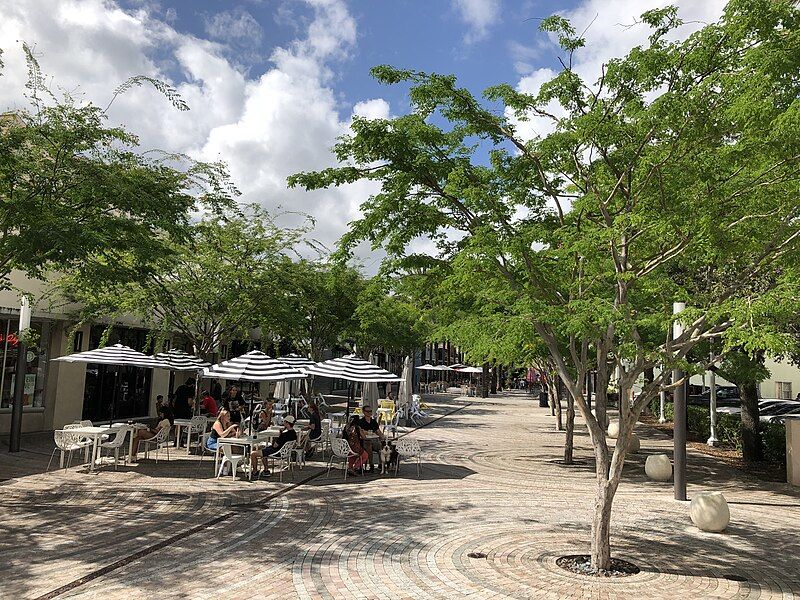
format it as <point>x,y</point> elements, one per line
<point>95,433</point>
<point>245,441</point>
<point>179,423</point>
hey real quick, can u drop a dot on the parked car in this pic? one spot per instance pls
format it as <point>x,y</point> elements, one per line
<point>778,409</point>
<point>727,395</point>
<point>795,412</point>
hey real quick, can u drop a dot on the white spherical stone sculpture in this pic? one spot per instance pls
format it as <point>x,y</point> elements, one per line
<point>634,445</point>
<point>709,511</point>
<point>658,468</point>
<point>613,429</point>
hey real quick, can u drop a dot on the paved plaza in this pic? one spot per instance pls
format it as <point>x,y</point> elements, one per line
<point>489,485</point>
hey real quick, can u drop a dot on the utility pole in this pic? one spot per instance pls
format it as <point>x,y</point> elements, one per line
<point>679,423</point>
<point>19,382</point>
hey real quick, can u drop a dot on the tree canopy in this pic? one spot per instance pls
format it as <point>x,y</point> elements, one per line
<point>682,157</point>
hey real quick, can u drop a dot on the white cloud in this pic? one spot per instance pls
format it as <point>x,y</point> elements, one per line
<point>265,127</point>
<point>612,32</point>
<point>479,15</point>
<point>236,24</point>
<point>372,109</point>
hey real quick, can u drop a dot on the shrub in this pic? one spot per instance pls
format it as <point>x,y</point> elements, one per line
<point>773,441</point>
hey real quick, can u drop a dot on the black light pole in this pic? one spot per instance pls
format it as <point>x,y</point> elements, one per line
<point>679,423</point>
<point>19,382</point>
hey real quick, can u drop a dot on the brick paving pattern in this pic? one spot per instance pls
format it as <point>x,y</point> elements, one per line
<point>489,485</point>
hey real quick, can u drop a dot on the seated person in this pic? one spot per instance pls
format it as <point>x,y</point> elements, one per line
<point>352,433</point>
<point>209,405</point>
<point>288,434</point>
<point>222,428</point>
<point>314,429</point>
<point>166,420</point>
<point>368,425</point>
<point>264,419</point>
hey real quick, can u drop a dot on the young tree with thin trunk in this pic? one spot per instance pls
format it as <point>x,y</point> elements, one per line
<point>582,225</point>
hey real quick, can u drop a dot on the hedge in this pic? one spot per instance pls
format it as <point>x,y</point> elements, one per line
<point>729,429</point>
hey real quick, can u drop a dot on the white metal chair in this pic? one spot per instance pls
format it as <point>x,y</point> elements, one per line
<point>116,443</point>
<point>197,427</point>
<point>82,439</point>
<point>160,440</point>
<point>229,457</point>
<point>284,456</point>
<point>408,448</point>
<point>324,440</point>
<point>340,449</point>
<point>68,443</point>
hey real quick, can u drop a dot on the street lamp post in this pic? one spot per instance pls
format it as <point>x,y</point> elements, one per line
<point>19,382</point>
<point>712,381</point>
<point>662,398</point>
<point>679,423</point>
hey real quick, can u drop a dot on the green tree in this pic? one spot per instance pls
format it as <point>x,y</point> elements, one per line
<point>385,320</point>
<point>683,149</point>
<point>322,304</point>
<point>71,186</point>
<point>227,278</point>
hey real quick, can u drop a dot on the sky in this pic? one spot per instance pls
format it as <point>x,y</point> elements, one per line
<point>271,84</point>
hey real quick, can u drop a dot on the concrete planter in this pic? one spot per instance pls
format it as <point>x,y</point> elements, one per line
<point>634,445</point>
<point>658,467</point>
<point>613,429</point>
<point>709,511</point>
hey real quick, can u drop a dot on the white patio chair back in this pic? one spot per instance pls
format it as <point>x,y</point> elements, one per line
<point>161,439</point>
<point>284,457</point>
<point>299,451</point>
<point>229,457</point>
<point>324,440</point>
<point>67,443</point>
<point>341,450</point>
<point>409,448</point>
<point>115,443</point>
<point>197,427</point>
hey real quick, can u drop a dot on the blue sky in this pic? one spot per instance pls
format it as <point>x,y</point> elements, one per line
<point>272,83</point>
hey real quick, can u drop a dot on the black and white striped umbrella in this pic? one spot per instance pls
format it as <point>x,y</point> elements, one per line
<point>253,366</point>
<point>298,362</point>
<point>178,360</point>
<point>118,354</point>
<point>351,368</point>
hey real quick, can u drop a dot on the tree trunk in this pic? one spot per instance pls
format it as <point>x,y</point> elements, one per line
<point>555,397</point>
<point>485,381</point>
<point>601,527</point>
<point>569,441</point>
<point>494,378</point>
<point>751,436</point>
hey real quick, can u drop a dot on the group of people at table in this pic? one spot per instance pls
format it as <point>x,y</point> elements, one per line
<point>363,433</point>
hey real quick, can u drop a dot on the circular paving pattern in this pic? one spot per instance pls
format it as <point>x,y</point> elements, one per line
<point>489,518</point>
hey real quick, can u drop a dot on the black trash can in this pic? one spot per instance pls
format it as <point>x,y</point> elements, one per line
<point>543,400</point>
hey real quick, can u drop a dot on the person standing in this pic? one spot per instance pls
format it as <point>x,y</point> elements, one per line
<point>216,391</point>
<point>184,397</point>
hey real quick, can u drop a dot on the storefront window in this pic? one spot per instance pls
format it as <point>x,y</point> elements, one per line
<point>117,392</point>
<point>36,372</point>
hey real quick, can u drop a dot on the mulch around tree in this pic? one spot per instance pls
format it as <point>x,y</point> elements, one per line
<point>764,471</point>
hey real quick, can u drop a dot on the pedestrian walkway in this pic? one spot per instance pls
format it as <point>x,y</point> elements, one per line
<point>489,485</point>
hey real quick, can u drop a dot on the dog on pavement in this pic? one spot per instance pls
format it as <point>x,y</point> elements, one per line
<point>386,455</point>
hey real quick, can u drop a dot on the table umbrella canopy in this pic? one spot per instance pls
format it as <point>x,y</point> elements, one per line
<point>457,366</point>
<point>118,354</point>
<point>427,368</point>
<point>178,360</point>
<point>298,362</point>
<point>471,370</point>
<point>351,368</point>
<point>253,366</point>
